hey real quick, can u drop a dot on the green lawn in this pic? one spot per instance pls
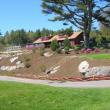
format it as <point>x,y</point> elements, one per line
<point>17,96</point>
<point>97,56</point>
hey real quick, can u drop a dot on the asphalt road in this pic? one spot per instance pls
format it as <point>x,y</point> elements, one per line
<point>84,84</point>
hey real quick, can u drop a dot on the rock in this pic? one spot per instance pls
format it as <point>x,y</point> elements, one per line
<point>11,68</point>
<point>56,68</point>
<point>18,62</point>
<point>48,71</point>
<point>8,68</point>
<point>47,54</point>
<point>19,54</point>
<point>52,70</point>
<point>98,71</point>
<point>3,68</point>
<point>13,59</point>
<point>21,65</point>
<point>0,58</point>
<point>83,67</point>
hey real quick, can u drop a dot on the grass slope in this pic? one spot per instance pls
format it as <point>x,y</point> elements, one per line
<point>97,56</point>
<point>17,96</point>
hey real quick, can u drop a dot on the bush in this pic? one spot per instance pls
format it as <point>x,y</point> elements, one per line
<point>88,50</point>
<point>58,50</point>
<point>98,40</point>
<point>27,59</point>
<point>101,48</point>
<point>42,51</point>
<point>66,49</point>
<point>97,50</point>
<point>77,47</point>
<point>83,50</point>
<point>106,51</point>
<point>72,47</point>
<point>67,43</point>
<point>54,45</point>
<point>27,65</point>
<point>1,47</point>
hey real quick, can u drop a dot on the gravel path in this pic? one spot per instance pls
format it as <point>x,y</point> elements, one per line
<point>84,84</point>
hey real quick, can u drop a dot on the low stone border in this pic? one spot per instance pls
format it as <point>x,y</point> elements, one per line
<point>75,79</point>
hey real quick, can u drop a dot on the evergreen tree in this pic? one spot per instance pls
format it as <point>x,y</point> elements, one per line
<point>105,32</point>
<point>54,45</point>
<point>38,33</point>
<point>78,12</point>
<point>67,43</point>
<point>67,31</point>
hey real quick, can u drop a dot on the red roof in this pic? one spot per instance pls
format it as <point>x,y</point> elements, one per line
<point>57,37</point>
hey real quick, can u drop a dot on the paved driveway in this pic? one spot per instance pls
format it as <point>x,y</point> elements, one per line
<point>84,84</point>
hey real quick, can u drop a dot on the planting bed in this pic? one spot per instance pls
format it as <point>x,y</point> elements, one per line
<point>68,66</point>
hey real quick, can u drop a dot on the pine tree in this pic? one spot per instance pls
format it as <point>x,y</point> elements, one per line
<point>54,45</point>
<point>80,13</point>
<point>67,43</point>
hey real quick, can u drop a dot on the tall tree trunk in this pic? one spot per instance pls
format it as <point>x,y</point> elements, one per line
<point>86,39</point>
<point>87,24</point>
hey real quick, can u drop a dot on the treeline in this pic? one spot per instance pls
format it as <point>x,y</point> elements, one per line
<point>101,36</point>
<point>22,37</point>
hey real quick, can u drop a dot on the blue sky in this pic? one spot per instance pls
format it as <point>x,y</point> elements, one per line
<point>26,14</point>
<point>17,14</point>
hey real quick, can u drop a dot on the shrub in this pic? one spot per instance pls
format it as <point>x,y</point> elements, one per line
<point>106,51</point>
<point>66,49</point>
<point>27,59</point>
<point>67,43</point>
<point>97,50</point>
<point>88,50</point>
<point>27,65</point>
<point>98,40</point>
<point>42,51</point>
<point>58,50</point>
<point>1,47</point>
<point>72,47</point>
<point>83,50</point>
<point>77,47</point>
<point>54,45</point>
<point>101,48</point>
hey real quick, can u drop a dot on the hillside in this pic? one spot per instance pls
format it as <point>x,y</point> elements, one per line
<point>38,64</point>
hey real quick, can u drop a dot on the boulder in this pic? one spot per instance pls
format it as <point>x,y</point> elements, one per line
<point>83,67</point>
<point>21,65</point>
<point>18,62</point>
<point>8,68</point>
<point>55,69</point>
<point>11,68</point>
<point>3,68</point>
<point>98,71</point>
<point>52,70</point>
<point>13,59</point>
<point>48,54</point>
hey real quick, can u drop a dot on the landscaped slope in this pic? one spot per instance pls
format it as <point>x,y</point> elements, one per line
<point>68,64</point>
